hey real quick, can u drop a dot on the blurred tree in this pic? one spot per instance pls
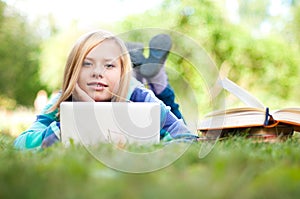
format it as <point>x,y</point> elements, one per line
<point>261,16</point>
<point>293,25</point>
<point>54,54</point>
<point>19,51</point>
<point>253,12</point>
<point>266,65</point>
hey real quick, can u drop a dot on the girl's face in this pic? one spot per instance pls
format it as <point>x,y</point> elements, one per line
<point>100,73</point>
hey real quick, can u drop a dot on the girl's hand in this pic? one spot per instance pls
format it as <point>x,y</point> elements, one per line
<point>79,95</point>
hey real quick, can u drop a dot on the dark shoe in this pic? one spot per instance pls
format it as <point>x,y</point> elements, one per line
<point>136,53</point>
<point>159,47</point>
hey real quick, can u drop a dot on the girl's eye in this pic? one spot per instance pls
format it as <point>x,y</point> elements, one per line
<point>85,63</point>
<point>109,66</point>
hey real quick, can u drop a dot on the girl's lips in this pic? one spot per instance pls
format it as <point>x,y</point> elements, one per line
<point>98,86</point>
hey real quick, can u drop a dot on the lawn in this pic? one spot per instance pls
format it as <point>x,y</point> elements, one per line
<point>235,168</point>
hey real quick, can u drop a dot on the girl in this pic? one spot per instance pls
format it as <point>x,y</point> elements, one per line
<point>98,69</point>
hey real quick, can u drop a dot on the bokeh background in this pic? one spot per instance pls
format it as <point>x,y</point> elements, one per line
<point>256,42</point>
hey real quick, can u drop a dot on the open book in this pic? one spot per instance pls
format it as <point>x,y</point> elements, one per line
<point>256,117</point>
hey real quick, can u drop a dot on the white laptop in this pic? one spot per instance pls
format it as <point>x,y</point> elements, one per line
<point>121,123</point>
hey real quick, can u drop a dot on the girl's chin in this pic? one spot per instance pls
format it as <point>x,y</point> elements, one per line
<point>102,99</point>
<point>100,96</point>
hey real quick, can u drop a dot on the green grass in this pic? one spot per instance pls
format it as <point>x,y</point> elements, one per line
<point>235,168</point>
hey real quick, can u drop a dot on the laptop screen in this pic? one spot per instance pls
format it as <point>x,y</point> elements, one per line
<point>90,123</point>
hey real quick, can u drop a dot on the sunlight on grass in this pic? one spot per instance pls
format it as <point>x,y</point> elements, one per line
<point>236,168</point>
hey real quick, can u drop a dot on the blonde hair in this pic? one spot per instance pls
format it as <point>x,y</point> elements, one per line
<point>75,59</point>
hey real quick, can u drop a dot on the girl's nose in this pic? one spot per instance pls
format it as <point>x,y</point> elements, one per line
<point>98,71</point>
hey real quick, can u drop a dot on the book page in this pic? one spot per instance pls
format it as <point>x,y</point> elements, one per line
<point>233,118</point>
<point>241,93</point>
<point>288,115</point>
<point>251,116</point>
<point>236,111</point>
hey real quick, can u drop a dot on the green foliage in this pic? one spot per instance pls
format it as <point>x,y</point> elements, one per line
<point>293,26</point>
<point>253,12</point>
<point>54,56</point>
<point>235,168</point>
<point>267,66</point>
<point>8,103</point>
<point>19,51</point>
